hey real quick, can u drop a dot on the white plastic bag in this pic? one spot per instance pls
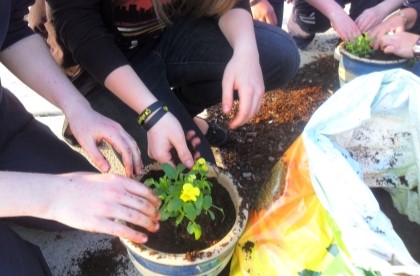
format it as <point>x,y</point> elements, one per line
<point>367,133</point>
<point>317,215</point>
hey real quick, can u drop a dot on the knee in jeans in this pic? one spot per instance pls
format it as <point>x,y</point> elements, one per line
<point>279,60</point>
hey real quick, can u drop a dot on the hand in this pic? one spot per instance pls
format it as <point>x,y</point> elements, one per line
<point>368,19</point>
<point>100,202</point>
<point>393,24</point>
<point>400,44</point>
<point>264,12</point>
<point>244,76</point>
<point>90,128</point>
<point>165,135</point>
<point>345,27</point>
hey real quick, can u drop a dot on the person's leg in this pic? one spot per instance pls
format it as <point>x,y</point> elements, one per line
<point>305,21</point>
<point>19,257</point>
<point>196,54</point>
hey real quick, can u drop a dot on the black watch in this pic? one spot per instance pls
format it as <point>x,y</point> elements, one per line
<point>416,48</point>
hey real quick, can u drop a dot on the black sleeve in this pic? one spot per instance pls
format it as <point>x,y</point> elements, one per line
<point>244,4</point>
<point>13,26</point>
<point>81,28</point>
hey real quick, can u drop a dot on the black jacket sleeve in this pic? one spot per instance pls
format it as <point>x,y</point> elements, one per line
<point>244,4</point>
<point>13,27</point>
<point>81,28</point>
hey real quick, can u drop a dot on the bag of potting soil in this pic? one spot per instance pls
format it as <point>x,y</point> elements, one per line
<point>317,214</point>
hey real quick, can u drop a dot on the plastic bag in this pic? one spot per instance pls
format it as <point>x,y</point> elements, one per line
<point>317,215</point>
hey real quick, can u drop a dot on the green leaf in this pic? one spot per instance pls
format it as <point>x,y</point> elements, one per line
<point>198,204</point>
<point>212,216</point>
<point>174,205</point>
<point>169,171</point>
<point>207,202</point>
<point>179,219</point>
<point>189,211</point>
<point>150,182</point>
<point>194,228</point>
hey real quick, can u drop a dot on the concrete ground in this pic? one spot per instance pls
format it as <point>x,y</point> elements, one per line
<point>67,252</point>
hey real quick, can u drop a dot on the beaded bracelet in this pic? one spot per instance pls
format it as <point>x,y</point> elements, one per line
<point>149,110</point>
<point>155,118</point>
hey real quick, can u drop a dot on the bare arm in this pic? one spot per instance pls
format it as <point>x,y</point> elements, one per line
<point>345,27</point>
<point>30,60</point>
<point>370,18</point>
<point>86,201</point>
<point>243,72</point>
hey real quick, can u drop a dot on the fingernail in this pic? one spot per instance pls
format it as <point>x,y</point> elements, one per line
<point>189,163</point>
<point>225,108</point>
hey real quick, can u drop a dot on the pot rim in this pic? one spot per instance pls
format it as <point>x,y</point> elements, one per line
<point>215,250</point>
<point>343,51</point>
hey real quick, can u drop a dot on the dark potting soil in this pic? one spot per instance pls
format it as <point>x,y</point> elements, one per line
<point>172,239</point>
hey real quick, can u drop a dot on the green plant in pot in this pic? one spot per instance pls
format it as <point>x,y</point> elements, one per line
<point>202,218</point>
<point>185,195</point>
<point>357,57</point>
<point>361,46</point>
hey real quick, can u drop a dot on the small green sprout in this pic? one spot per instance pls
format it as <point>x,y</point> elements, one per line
<point>360,46</point>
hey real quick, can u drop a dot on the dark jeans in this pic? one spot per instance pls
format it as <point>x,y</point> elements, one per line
<point>19,257</point>
<point>185,70</point>
<point>313,21</point>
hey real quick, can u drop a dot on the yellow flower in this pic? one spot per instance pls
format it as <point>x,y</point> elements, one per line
<point>200,165</point>
<point>189,192</point>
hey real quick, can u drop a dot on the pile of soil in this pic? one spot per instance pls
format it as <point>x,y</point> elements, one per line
<point>253,149</point>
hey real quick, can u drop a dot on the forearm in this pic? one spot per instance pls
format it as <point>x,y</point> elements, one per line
<point>128,87</point>
<point>26,194</point>
<point>388,6</point>
<point>329,8</point>
<point>237,26</point>
<point>30,60</point>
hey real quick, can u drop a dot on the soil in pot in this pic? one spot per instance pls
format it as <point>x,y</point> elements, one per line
<point>172,239</point>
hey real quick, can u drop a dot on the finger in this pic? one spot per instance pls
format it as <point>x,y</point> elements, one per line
<point>193,141</point>
<point>244,111</point>
<point>120,229</point>
<point>138,163</point>
<point>143,191</point>
<point>95,155</point>
<point>130,215</point>
<point>141,205</point>
<point>126,153</point>
<point>227,94</point>
<point>184,153</point>
<point>256,105</point>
